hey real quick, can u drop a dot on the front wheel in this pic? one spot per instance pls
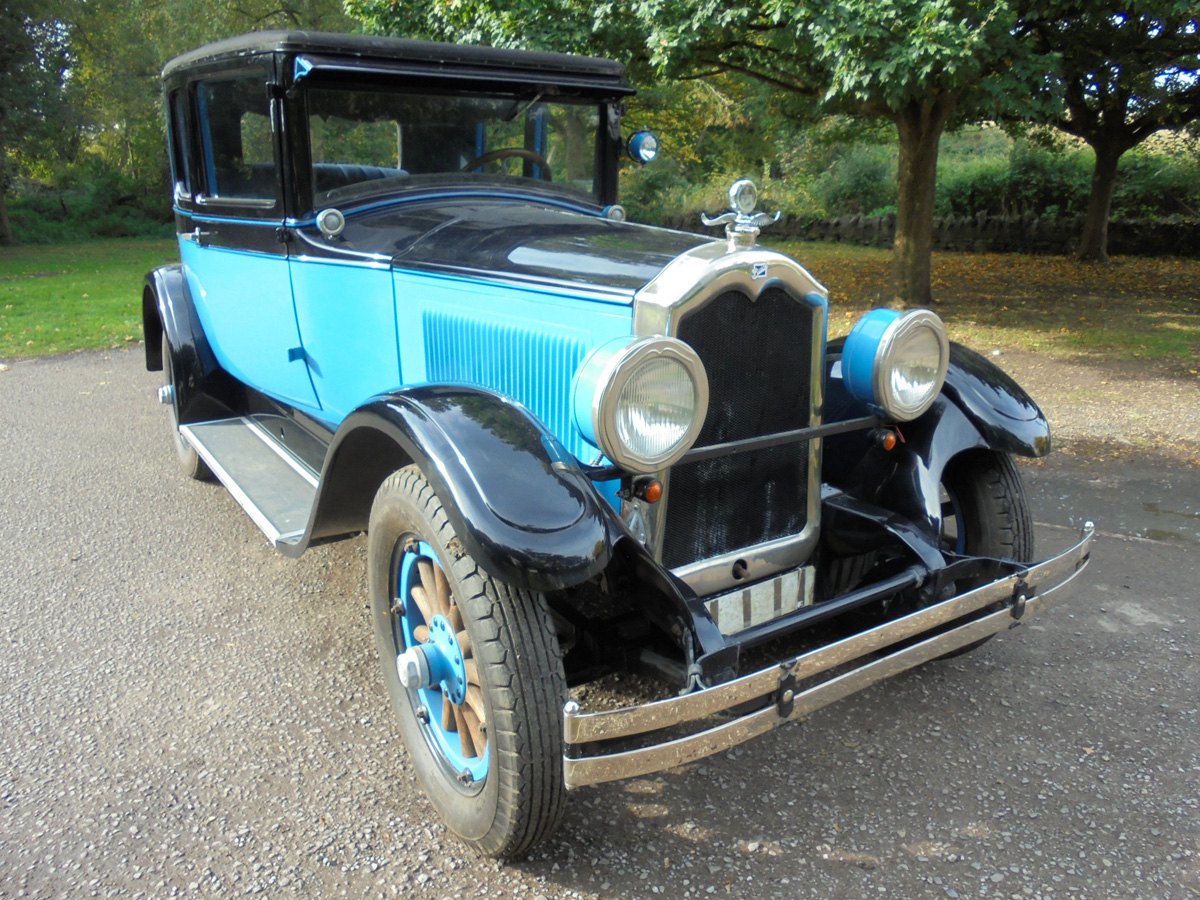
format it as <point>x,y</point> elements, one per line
<point>473,671</point>
<point>985,512</point>
<point>984,508</point>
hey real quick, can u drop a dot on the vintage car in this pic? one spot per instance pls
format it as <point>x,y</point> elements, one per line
<point>409,304</point>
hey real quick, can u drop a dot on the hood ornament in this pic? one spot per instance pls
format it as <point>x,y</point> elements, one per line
<point>742,223</point>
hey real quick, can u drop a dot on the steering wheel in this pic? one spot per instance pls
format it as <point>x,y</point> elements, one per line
<point>504,153</point>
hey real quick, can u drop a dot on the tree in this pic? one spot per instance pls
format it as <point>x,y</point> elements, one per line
<point>920,64</point>
<point>34,60</point>
<point>1121,75</point>
<point>916,62</point>
<point>121,46</point>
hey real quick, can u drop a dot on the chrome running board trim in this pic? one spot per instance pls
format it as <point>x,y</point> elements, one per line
<point>275,488</point>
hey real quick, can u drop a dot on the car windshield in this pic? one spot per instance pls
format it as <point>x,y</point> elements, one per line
<point>369,141</point>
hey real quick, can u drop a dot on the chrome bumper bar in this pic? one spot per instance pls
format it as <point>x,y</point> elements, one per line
<point>1025,593</point>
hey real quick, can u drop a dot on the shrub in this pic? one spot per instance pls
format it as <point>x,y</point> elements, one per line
<point>89,200</point>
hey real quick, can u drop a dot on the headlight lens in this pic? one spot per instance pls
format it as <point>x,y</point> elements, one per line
<point>642,402</point>
<point>896,363</point>
<point>655,408</point>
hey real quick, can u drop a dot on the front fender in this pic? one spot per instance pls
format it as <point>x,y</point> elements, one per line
<point>1004,415</point>
<point>516,498</point>
<point>981,407</point>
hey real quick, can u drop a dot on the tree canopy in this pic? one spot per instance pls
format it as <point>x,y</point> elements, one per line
<point>916,62</point>
<point>1117,77</point>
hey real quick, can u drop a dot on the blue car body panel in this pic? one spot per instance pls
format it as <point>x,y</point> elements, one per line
<point>347,320</point>
<point>244,302</point>
<point>523,343</point>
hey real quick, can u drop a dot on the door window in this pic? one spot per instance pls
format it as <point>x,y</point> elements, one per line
<point>237,141</point>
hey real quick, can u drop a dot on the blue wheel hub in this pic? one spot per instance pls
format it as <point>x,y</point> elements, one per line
<point>447,680</point>
<point>446,667</point>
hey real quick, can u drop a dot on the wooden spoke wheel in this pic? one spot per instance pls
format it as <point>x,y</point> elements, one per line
<point>444,679</point>
<point>473,671</point>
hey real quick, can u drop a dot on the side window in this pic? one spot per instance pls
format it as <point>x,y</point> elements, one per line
<point>181,176</point>
<point>239,164</point>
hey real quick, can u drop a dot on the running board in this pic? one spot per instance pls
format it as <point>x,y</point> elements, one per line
<point>274,487</point>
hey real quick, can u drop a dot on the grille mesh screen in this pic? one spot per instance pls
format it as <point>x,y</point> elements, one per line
<point>758,355</point>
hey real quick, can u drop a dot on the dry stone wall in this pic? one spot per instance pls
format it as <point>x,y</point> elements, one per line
<point>985,233</point>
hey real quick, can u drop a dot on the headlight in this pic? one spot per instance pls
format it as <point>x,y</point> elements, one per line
<point>641,401</point>
<point>896,362</point>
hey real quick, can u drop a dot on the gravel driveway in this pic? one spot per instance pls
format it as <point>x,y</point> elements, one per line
<point>187,713</point>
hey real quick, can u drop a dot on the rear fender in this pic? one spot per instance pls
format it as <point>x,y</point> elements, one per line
<point>202,388</point>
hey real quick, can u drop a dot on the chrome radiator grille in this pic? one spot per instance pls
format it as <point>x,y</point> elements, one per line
<point>758,355</point>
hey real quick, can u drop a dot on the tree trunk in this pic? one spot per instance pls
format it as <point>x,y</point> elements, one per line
<point>1093,243</point>
<point>920,125</point>
<point>6,233</point>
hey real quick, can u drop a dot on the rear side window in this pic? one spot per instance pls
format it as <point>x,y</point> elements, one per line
<point>237,143</point>
<point>180,161</point>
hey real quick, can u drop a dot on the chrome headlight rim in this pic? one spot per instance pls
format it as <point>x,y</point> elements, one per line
<point>892,341</point>
<point>617,372</point>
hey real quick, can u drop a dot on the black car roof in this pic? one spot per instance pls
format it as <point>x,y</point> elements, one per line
<point>370,52</point>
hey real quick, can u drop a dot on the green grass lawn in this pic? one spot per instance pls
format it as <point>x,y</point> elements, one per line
<point>72,296</point>
<point>88,295</point>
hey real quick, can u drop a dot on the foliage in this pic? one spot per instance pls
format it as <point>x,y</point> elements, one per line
<point>34,58</point>
<point>105,120</point>
<point>1119,77</point>
<point>90,200</point>
<point>838,166</point>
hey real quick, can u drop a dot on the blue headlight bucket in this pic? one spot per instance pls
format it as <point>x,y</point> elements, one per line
<point>644,146</point>
<point>587,383</point>
<point>860,354</point>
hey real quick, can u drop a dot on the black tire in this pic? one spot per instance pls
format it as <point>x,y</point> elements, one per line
<point>985,512</point>
<point>189,460</point>
<point>509,653</point>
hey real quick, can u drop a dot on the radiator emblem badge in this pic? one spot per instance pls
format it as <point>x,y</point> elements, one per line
<point>758,270</point>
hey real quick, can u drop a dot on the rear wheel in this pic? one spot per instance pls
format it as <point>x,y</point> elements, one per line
<point>189,460</point>
<point>473,672</point>
<point>985,512</point>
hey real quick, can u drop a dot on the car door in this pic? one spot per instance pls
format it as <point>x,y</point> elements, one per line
<point>344,298</point>
<point>234,257</point>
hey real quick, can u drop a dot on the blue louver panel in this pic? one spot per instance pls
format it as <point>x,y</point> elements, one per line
<point>533,367</point>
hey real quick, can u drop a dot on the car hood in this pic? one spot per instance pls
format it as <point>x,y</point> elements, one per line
<point>519,239</point>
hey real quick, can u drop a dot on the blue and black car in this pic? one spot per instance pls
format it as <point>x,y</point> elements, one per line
<point>408,303</point>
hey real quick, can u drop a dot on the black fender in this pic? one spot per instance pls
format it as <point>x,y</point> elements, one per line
<point>980,407</point>
<point>518,500</point>
<point>202,387</point>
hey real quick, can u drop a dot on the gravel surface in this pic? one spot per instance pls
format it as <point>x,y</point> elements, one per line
<point>187,713</point>
<point>1108,410</point>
